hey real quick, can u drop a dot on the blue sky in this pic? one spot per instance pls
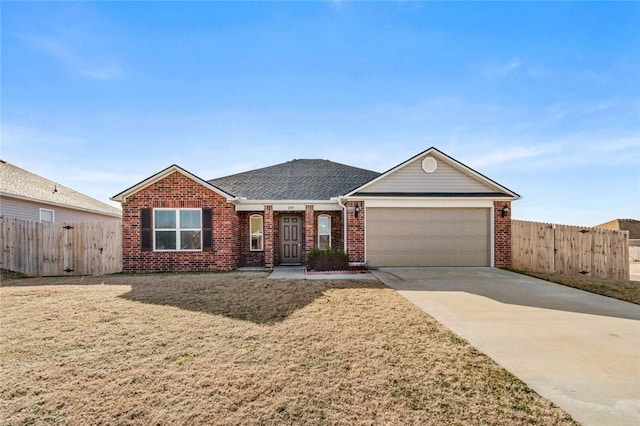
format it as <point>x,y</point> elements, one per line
<point>542,97</point>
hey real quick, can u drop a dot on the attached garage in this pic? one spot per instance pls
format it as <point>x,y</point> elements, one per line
<point>430,210</point>
<point>428,236</point>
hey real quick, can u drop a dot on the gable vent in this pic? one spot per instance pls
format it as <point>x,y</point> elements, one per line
<point>429,164</point>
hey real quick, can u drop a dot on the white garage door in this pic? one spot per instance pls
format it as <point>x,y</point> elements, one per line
<point>428,236</point>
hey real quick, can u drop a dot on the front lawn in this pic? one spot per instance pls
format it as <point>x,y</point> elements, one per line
<point>238,349</point>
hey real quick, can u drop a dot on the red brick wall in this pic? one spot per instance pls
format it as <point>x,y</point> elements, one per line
<point>309,233</point>
<point>269,241</point>
<point>501,234</point>
<point>355,231</point>
<point>248,257</point>
<point>178,191</point>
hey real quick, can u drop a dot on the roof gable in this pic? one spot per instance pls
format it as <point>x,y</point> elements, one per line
<point>122,196</point>
<point>432,173</point>
<point>306,179</point>
<point>19,183</point>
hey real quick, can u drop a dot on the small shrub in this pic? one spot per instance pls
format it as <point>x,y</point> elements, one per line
<point>327,260</point>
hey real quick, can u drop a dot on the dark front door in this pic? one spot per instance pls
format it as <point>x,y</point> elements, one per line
<point>290,239</point>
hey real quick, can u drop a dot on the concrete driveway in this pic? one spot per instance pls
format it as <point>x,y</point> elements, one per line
<point>580,350</point>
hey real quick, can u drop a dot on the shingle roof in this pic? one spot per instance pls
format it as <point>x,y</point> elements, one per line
<point>631,225</point>
<point>296,180</point>
<point>21,183</point>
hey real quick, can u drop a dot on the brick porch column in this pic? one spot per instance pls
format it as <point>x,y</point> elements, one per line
<point>501,234</point>
<point>355,231</point>
<point>309,231</point>
<point>268,236</point>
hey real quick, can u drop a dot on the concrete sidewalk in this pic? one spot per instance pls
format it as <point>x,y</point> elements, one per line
<point>299,273</point>
<point>577,349</point>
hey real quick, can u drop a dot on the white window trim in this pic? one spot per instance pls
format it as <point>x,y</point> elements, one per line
<point>318,229</point>
<point>177,229</point>
<point>53,215</point>
<point>251,232</point>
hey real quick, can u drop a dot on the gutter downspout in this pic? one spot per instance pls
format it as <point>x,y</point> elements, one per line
<point>344,220</point>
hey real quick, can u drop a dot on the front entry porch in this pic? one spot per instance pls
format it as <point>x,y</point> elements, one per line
<point>295,233</point>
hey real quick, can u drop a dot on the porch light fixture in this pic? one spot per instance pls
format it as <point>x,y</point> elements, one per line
<point>505,211</point>
<point>356,211</point>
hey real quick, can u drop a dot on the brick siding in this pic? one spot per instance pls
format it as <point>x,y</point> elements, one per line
<point>270,243</point>
<point>179,191</point>
<point>501,234</point>
<point>309,231</point>
<point>248,257</point>
<point>355,231</point>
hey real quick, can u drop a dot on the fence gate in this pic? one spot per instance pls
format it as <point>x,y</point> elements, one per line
<point>51,249</point>
<point>68,246</point>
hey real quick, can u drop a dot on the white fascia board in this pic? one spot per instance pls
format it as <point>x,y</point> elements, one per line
<point>364,197</point>
<point>121,197</point>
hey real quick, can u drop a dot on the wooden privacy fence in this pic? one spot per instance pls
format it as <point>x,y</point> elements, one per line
<point>50,249</point>
<point>570,250</point>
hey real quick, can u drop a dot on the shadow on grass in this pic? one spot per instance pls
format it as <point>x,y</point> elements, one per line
<point>248,296</point>
<point>236,295</point>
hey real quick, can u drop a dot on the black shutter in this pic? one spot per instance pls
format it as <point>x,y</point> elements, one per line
<point>207,231</point>
<point>146,216</point>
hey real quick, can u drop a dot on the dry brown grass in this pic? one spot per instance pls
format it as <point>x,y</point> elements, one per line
<point>240,349</point>
<point>626,290</point>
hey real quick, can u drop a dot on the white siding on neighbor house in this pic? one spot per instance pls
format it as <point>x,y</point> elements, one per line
<point>411,178</point>
<point>29,210</point>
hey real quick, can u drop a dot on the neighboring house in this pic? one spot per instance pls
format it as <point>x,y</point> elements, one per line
<point>631,225</point>
<point>430,210</point>
<point>25,195</point>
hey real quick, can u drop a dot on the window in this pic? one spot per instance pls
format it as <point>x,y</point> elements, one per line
<point>324,232</point>
<point>47,215</point>
<point>177,229</point>
<point>256,231</point>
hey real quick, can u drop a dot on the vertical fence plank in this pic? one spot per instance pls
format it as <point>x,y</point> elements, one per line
<point>598,254</point>
<point>545,261</point>
<point>48,249</point>
<point>561,244</point>
<point>583,252</point>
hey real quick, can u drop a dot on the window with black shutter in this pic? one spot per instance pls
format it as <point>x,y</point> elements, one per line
<point>146,219</point>
<point>207,229</point>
